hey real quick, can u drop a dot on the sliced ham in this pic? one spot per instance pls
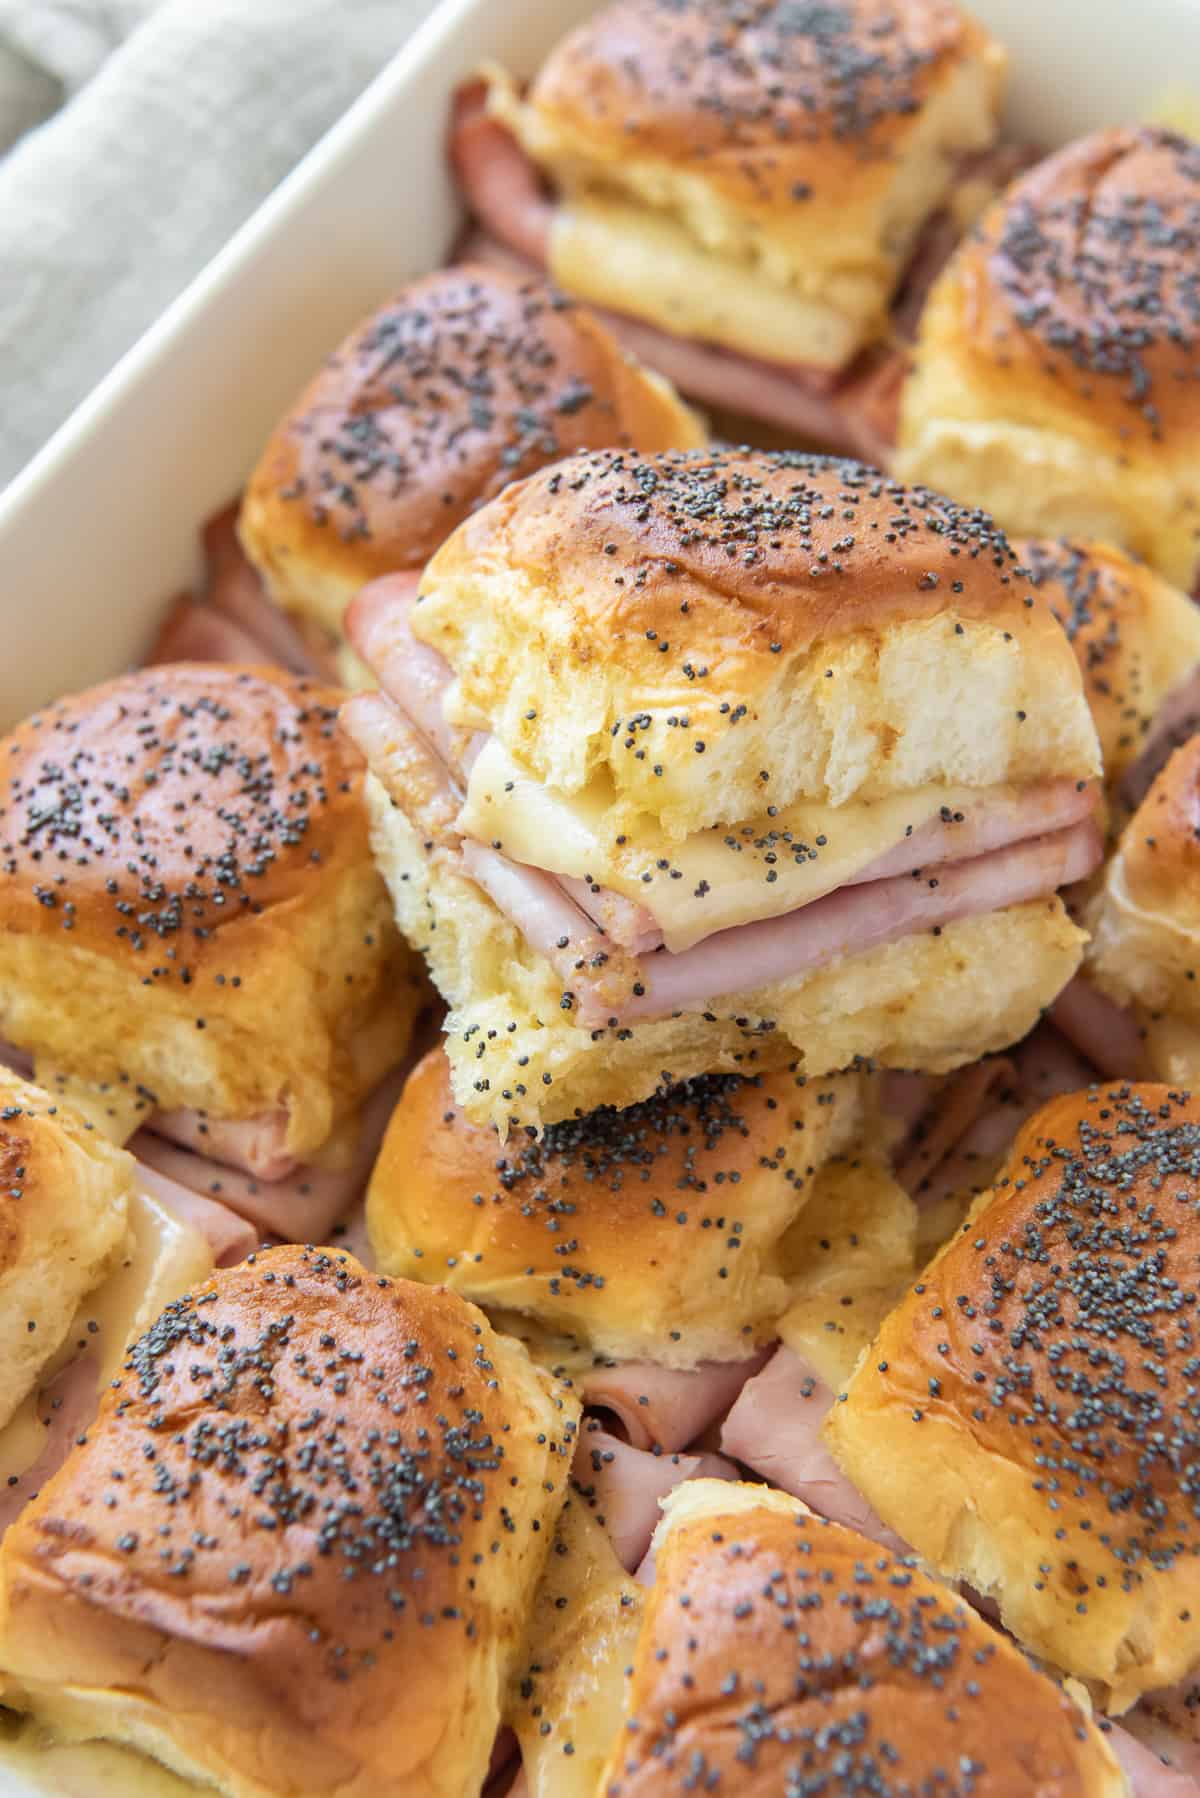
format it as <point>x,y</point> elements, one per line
<point>955,1109</point>
<point>774,1428</point>
<point>1048,1065</point>
<point>414,675</point>
<point>256,1145</point>
<point>235,590</point>
<point>1177,719</point>
<point>1167,1722</point>
<point>67,1407</point>
<point>399,757</point>
<point>623,1486</point>
<point>230,1237</point>
<point>1103,1031</point>
<point>192,632</point>
<point>628,924</point>
<point>301,1208</point>
<point>504,187</point>
<point>994,821</point>
<point>1148,1775</point>
<point>666,1407</point>
<point>856,919</point>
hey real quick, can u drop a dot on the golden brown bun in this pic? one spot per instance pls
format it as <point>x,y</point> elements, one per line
<point>780,1653</point>
<point>518,1058</point>
<point>791,159</point>
<point>1027,1417</point>
<point>1135,636</point>
<point>1057,381</point>
<point>819,630</point>
<point>188,904</point>
<point>656,1232</point>
<point>1145,921</point>
<point>333,1498</point>
<point>465,380</point>
<point>64,1199</point>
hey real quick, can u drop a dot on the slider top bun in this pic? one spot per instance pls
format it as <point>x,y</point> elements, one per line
<point>1135,636</point>
<point>779,1652</point>
<point>707,634</point>
<point>802,146</point>
<point>298,1549</point>
<point>189,910</point>
<point>656,1232</point>
<point>1028,1418</point>
<point>1057,376</point>
<point>465,380</point>
<point>64,1196</point>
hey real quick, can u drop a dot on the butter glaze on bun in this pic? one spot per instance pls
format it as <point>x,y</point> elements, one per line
<point>656,1232</point>
<point>781,1654</point>
<point>298,1548</point>
<point>1057,377</point>
<point>1028,1418</point>
<point>189,910</point>
<point>467,379</point>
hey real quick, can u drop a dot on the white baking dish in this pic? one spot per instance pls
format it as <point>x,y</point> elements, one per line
<point>101,528</point>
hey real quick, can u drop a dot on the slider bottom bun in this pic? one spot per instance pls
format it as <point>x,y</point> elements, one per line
<point>517,1057</point>
<point>782,1654</point>
<point>296,1553</point>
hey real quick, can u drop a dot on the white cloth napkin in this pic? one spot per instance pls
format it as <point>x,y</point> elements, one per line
<point>184,114</point>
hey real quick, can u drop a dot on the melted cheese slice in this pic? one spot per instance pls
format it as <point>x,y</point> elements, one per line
<point>35,1763</point>
<point>163,1259</point>
<point>586,1616</point>
<point>715,879</point>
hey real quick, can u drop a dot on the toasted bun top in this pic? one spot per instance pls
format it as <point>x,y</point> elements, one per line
<point>690,620</point>
<point>342,1484</point>
<point>467,379</point>
<point>1062,1323</point>
<point>772,103</point>
<point>149,816</point>
<point>781,1652</point>
<point>651,1231</point>
<point>1082,281</point>
<point>1134,635</point>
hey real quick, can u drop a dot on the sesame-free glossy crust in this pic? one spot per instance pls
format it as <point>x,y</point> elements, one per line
<point>1028,1417</point>
<point>297,1550</point>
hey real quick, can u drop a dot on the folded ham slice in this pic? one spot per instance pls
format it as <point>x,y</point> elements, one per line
<point>1176,720</point>
<point>666,1408</point>
<point>1148,1775</point>
<point>192,632</point>
<point>955,1109</point>
<point>505,189</point>
<point>1103,1031</point>
<point>304,1206</point>
<point>853,920</point>
<point>230,1237</point>
<point>256,1145</point>
<point>624,1485</point>
<point>414,675</point>
<point>774,1428</point>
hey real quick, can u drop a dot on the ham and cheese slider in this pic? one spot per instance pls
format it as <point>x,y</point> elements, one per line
<point>467,379</point>
<point>705,762</point>
<point>1135,636</point>
<point>1144,956</point>
<point>779,1653</point>
<point>194,936</point>
<point>92,1250</point>
<point>1057,378</point>
<point>298,1548</point>
<point>1027,1418</point>
<point>756,195</point>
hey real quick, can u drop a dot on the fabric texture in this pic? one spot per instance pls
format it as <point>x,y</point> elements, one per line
<point>179,117</point>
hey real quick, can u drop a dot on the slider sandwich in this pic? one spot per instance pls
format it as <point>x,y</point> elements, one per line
<point>1057,377</point>
<point>465,380</point>
<point>196,947</point>
<point>758,196</point>
<point>298,1549</point>
<point>91,1252</point>
<point>723,761</point>
<point>655,1253</point>
<point>1027,1418</point>
<point>777,1653</point>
